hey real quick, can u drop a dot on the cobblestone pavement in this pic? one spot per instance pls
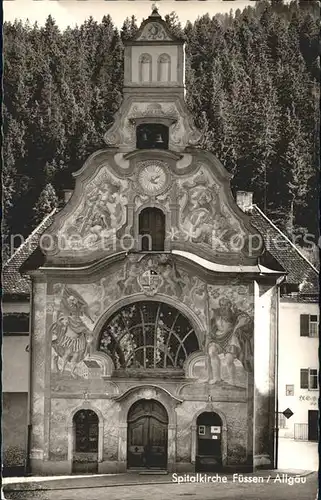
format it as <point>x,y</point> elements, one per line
<point>305,488</point>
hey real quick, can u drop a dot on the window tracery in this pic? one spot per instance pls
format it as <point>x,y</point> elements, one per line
<point>148,335</point>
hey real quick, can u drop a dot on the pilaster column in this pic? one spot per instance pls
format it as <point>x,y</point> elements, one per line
<point>193,443</point>
<point>38,369</point>
<point>122,442</point>
<point>171,448</point>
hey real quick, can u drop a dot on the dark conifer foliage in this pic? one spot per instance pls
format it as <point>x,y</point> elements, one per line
<point>252,85</point>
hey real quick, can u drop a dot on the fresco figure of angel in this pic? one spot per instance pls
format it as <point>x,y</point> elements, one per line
<point>70,335</point>
<point>231,334</point>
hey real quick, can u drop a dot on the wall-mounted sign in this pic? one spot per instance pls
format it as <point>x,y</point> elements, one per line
<point>289,390</point>
<point>215,429</point>
<point>215,436</point>
<point>288,413</point>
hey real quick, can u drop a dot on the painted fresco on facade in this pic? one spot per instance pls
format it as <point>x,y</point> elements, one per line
<point>71,331</point>
<point>229,345</point>
<point>99,215</point>
<point>204,219</point>
<point>76,308</point>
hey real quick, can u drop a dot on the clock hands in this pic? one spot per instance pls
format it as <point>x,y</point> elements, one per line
<point>154,179</point>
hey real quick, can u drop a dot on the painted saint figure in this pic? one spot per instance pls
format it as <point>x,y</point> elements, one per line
<point>232,335</point>
<point>70,335</point>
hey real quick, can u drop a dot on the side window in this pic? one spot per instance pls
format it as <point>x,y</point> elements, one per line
<point>309,378</point>
<point>309,325</point>
<point>313,325</point>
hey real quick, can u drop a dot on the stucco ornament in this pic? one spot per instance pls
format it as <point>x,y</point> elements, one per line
<point>153,31</point>
<point>100,213</point>
<point>151,275</point>
<point>150,281</point>
<point>154,110</point>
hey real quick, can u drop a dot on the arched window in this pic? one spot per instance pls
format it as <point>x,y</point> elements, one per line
<point>152,136</point>
<point>86,431</point>
<point>164,68</point>
<point>152,229</point>
<point>145,68</point>
<point>148,335</point>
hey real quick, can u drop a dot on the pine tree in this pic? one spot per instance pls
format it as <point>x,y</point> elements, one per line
<point>47,201</point>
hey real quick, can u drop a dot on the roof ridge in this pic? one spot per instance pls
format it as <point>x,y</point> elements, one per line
<point>20,247</point>
<point>285,237</point>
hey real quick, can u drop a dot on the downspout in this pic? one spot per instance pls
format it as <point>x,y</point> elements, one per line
<point>276,389</point>
<point>29,410</point>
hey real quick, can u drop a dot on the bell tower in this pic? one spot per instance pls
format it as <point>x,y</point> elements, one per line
<point>154,59</point>
<point>153,114</point>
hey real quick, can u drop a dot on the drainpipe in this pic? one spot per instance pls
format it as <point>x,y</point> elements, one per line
<point>29,410</point>
<point>276,418</point>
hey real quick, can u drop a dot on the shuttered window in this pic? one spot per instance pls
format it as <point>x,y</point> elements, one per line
<point>309,378</point>
<point>309,325</point>
<point>304,325</point>
<point>304,378</point>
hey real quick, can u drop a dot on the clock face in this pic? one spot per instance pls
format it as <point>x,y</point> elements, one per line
<point>152,179</point>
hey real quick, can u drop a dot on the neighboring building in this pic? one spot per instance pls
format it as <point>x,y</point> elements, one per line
<point>15,352</point>
<point>163,355</point>
<point>298,387</point>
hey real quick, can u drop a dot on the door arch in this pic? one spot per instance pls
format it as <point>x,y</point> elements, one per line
<point>86,433</point>
<point>147,435</point>
<point>209,428</point>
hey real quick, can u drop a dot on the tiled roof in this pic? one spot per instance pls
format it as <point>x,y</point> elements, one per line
<point>299,270</point>
<point>12,281</point>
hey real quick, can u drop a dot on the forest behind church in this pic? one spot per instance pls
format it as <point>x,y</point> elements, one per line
<point>252,85</point>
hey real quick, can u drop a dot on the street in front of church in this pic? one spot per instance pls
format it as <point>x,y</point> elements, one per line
<point>263,486</point>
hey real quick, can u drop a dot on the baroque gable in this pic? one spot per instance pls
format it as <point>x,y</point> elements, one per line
<point>192,191</point>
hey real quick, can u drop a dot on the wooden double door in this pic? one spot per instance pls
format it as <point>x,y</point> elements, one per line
<point>147,435</point>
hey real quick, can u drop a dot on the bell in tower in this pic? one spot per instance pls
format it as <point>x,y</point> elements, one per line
<point>152,136</point>
<point>159,139</point>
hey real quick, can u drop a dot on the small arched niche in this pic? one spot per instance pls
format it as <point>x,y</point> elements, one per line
<point>164,68</point>
<point>145,68</point>
<point>152,136</point>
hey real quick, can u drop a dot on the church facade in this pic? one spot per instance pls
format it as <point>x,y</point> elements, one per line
<point>154,312</point>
